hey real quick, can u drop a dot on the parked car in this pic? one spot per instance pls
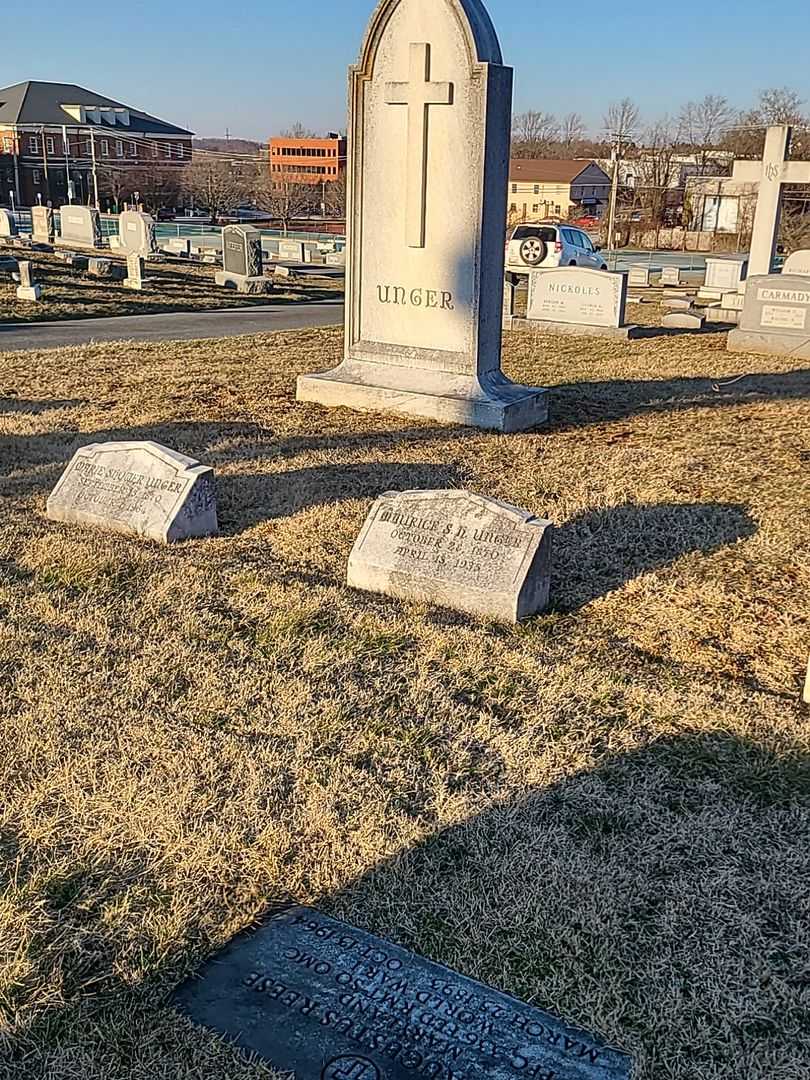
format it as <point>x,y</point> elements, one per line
<point>588,222</point>
<point>538,247</point>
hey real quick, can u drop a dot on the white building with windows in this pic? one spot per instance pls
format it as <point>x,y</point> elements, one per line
<point>544,187</point>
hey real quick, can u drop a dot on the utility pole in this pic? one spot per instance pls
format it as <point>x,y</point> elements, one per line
<point>45,161</point>
<point>16,146</point>
<point>95,169</point>
<point>66,146</point>
<point>615,155</point>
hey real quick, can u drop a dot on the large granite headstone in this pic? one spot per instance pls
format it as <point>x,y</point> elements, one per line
<point>79,226</point>
<point>242,266</point>
<point>136,233</point>
<point>322,1000</point>
<point>775,317</point>
<point>42,224</point>
<point>574,300</point>
<point>457,550</point>
<point>141,488</point>
<point>430,118</point>
<point>8,226</point>
<point>798,263</point>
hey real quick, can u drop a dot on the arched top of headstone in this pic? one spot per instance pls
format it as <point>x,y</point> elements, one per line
<point>473,18</point>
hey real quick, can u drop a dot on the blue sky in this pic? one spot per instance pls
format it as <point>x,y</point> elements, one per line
<point>256,66</point>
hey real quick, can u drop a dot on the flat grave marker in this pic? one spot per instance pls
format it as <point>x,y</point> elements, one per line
<point>457,550</point>
<point>323,1000</point>
<point>139,488</point>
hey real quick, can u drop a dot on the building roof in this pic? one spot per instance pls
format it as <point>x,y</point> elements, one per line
<point>43,103</point>
<point>548,170</point>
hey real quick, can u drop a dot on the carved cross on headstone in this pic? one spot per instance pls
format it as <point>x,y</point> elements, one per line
<point>418,94</point>
<point>771,173</point>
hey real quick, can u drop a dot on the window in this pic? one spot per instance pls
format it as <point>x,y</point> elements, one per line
<point>557,210</point>
<point>50,144</point>
<point>119,148</point>
<point>514,189</point>
<point>7,149</point>
<point>105,147</point>
<point>133,150</point>
<point>33,144</point>
<point>536,208</point>
<point>37,176</point>
<point>537,189</point>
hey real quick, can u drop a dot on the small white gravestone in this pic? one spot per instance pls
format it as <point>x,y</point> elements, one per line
<point>671,275</point>
<point>141,488</point>
<point>639,277</point>
<point>136,233</point>
<point>291,249</point>
<point>134,279</point>
<point>42,224</point>
<point>457,550</point>
<point>798,263</point>
<point>27,289</point>
<point>725,274</point>
<point>430,117</point>
<point>8,226</point>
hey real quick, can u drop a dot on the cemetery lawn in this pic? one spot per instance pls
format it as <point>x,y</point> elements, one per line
<point>605,811</point>
<point>169,286</point>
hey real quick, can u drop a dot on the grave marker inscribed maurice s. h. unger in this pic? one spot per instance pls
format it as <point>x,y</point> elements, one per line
<point>430,109</point>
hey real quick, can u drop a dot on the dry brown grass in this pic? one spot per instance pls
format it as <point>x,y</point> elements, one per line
<point>604,811</point>
<point>169,286</point>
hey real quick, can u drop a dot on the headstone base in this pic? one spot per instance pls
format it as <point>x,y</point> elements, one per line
<point>616,333</point>
<point>722,315</point>
<point>242,284</point>
<point>134,284</point>
<point>491,401</point>
<point>73,244</point>
<point>769,343</point>
<point>33,292</point>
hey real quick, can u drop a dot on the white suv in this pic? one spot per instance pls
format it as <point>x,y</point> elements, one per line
<point>536,247</point>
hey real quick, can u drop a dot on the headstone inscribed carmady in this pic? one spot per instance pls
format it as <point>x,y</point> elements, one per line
<point>8,226</point>
<point>572,294</point>
<point>775,317</point>
<point>457,550</point>
<point>323,1000</point>
<point>136,233</point>
<point>141,488</point>
<point>42,224</point>
<point>430,106</point>
<point>79,225</point>
<point>242,250</point>
<point>798,263</point>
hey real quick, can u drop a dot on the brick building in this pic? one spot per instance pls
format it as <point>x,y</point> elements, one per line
<point>307,161</point>
<point>55,133</point>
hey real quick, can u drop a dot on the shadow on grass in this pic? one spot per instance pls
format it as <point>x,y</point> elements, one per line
<point>599,551</point>
<point>579,404</point>
<point>657,899</point>
<point>246,500</point>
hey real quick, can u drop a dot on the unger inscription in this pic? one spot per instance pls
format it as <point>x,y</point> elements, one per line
<point>141,488</point>
<point>326,1001</point>
<point>455,549</point>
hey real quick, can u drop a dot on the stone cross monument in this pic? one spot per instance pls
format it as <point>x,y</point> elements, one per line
<point>430,113</point>
<point>771,173</point>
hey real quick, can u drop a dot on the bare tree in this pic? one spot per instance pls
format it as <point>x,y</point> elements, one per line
<point>215,185</point>
<point>621,122</point>
<point>702,126</point>
<point>657,171</point>
<point>298,131</point>
<point>335,197</point>
<point>157,186</point>
<point>533,134</point>
<point>572,133</point>
<point>284,200</point>
<point>778,105</point>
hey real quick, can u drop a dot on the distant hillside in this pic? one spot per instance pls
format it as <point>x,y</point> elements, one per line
<point>233,146</point>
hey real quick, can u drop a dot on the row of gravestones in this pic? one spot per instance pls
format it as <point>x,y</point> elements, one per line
<point>80,227</point>
<point>30,291</point>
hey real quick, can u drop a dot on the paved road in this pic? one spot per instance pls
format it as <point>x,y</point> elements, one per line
<point>175,326</point>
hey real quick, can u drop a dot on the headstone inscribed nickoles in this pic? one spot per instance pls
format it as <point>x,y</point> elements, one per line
<point>322,1000</point>
<point>430,105</point>
<point>8,226</point>
<point>134,278</point>
<point>136,233</point>
<point>79,226</point>
<point>775,317</point>
<point>141,488</point>
<point>42,224</point>
<point>798,263</point>
<point>457,550</point>
<point>575,300</point>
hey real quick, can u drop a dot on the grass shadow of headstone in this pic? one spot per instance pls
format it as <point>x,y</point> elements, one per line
<point>601,550</point>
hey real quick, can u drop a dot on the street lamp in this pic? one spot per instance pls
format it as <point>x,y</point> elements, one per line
<point>11,196</point>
